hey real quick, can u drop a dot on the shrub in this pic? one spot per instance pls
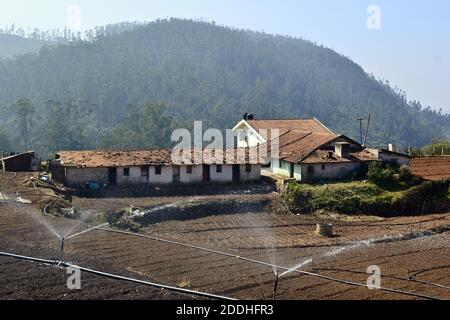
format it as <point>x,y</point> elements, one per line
<point>428,196</point>
<point>368,198</point>
<point>381,174</point>
<point>122,220</point>
<point>390,175</point>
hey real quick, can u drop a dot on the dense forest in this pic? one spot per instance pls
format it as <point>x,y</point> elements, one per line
<point>128,85</point>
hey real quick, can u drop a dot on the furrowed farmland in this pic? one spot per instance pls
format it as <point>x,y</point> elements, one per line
<point>238,245</point>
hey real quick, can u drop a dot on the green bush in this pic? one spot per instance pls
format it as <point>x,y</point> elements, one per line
<point>368,198</point>
<point>389,175</point>
<point>428,196</point>
<point>382,175</point>
<point>340,197</point>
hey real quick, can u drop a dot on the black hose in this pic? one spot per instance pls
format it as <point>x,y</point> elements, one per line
<point>410,279</point>
<point>418,295</point>
<point>117,277</point>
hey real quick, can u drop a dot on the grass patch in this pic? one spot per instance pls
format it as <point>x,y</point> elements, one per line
<point>369,198</point>
<point>184,283</point>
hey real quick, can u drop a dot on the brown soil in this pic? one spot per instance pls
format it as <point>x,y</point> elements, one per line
<point>432,168</point>
<point>276,238</point>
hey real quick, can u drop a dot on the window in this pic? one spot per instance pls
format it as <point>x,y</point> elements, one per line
<point>158,170</point>
<point>189,170</point>
<point>248,168</point>
<point>323,167</point>
<point>126,172</point>
<point>144,171</point>
<point>219,168</point>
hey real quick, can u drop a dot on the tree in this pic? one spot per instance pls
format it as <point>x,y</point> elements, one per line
<point>149,127</point>
<point>437,147</point>
<point>203,72</point>
<point>24,111</point>
<point>4,141</point>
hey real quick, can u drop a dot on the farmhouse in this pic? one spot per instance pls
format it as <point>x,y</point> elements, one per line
<point>154,167</point>
<point>307,149</point>
<point>252,132</point>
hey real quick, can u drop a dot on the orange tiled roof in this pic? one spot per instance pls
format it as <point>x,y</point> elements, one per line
<point>322,156</point>
<point>311,147</point>
<point>284,125</point>
<point>125,158</point>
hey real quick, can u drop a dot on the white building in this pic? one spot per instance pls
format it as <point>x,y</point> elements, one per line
<point>307,149</point>
<point>252,132</point>
<point>152,167</point>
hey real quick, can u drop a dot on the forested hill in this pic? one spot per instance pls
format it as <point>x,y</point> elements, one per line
<point>201,72</point>
<point>12,45</point>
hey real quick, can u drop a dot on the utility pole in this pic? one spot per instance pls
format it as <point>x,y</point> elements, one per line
<point>367,130</point>
<point>363,139</point>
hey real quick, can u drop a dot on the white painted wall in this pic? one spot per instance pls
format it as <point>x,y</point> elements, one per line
<point>253,175</point>
<point>195,177</point>
<point>135,176</point>
<point>164,178</point>
<point>329,171</point>
<point>225,176</point>
<point>78,176</point>
<point>385,156</point>
<point>252,139</point>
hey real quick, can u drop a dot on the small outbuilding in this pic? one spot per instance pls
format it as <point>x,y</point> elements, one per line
<point>21,162</point>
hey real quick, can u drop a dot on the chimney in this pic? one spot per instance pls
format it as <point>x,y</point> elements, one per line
<point>245,116</point>
<point>392,148</point>
<point>250,117</point>
<point>342,149</point>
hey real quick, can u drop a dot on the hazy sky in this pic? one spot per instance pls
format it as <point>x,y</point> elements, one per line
<point>411,49</point>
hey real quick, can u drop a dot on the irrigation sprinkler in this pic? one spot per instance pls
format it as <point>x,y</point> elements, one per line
<point>325,277</point>
<point>62,248</point>
<point>275,285</point>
